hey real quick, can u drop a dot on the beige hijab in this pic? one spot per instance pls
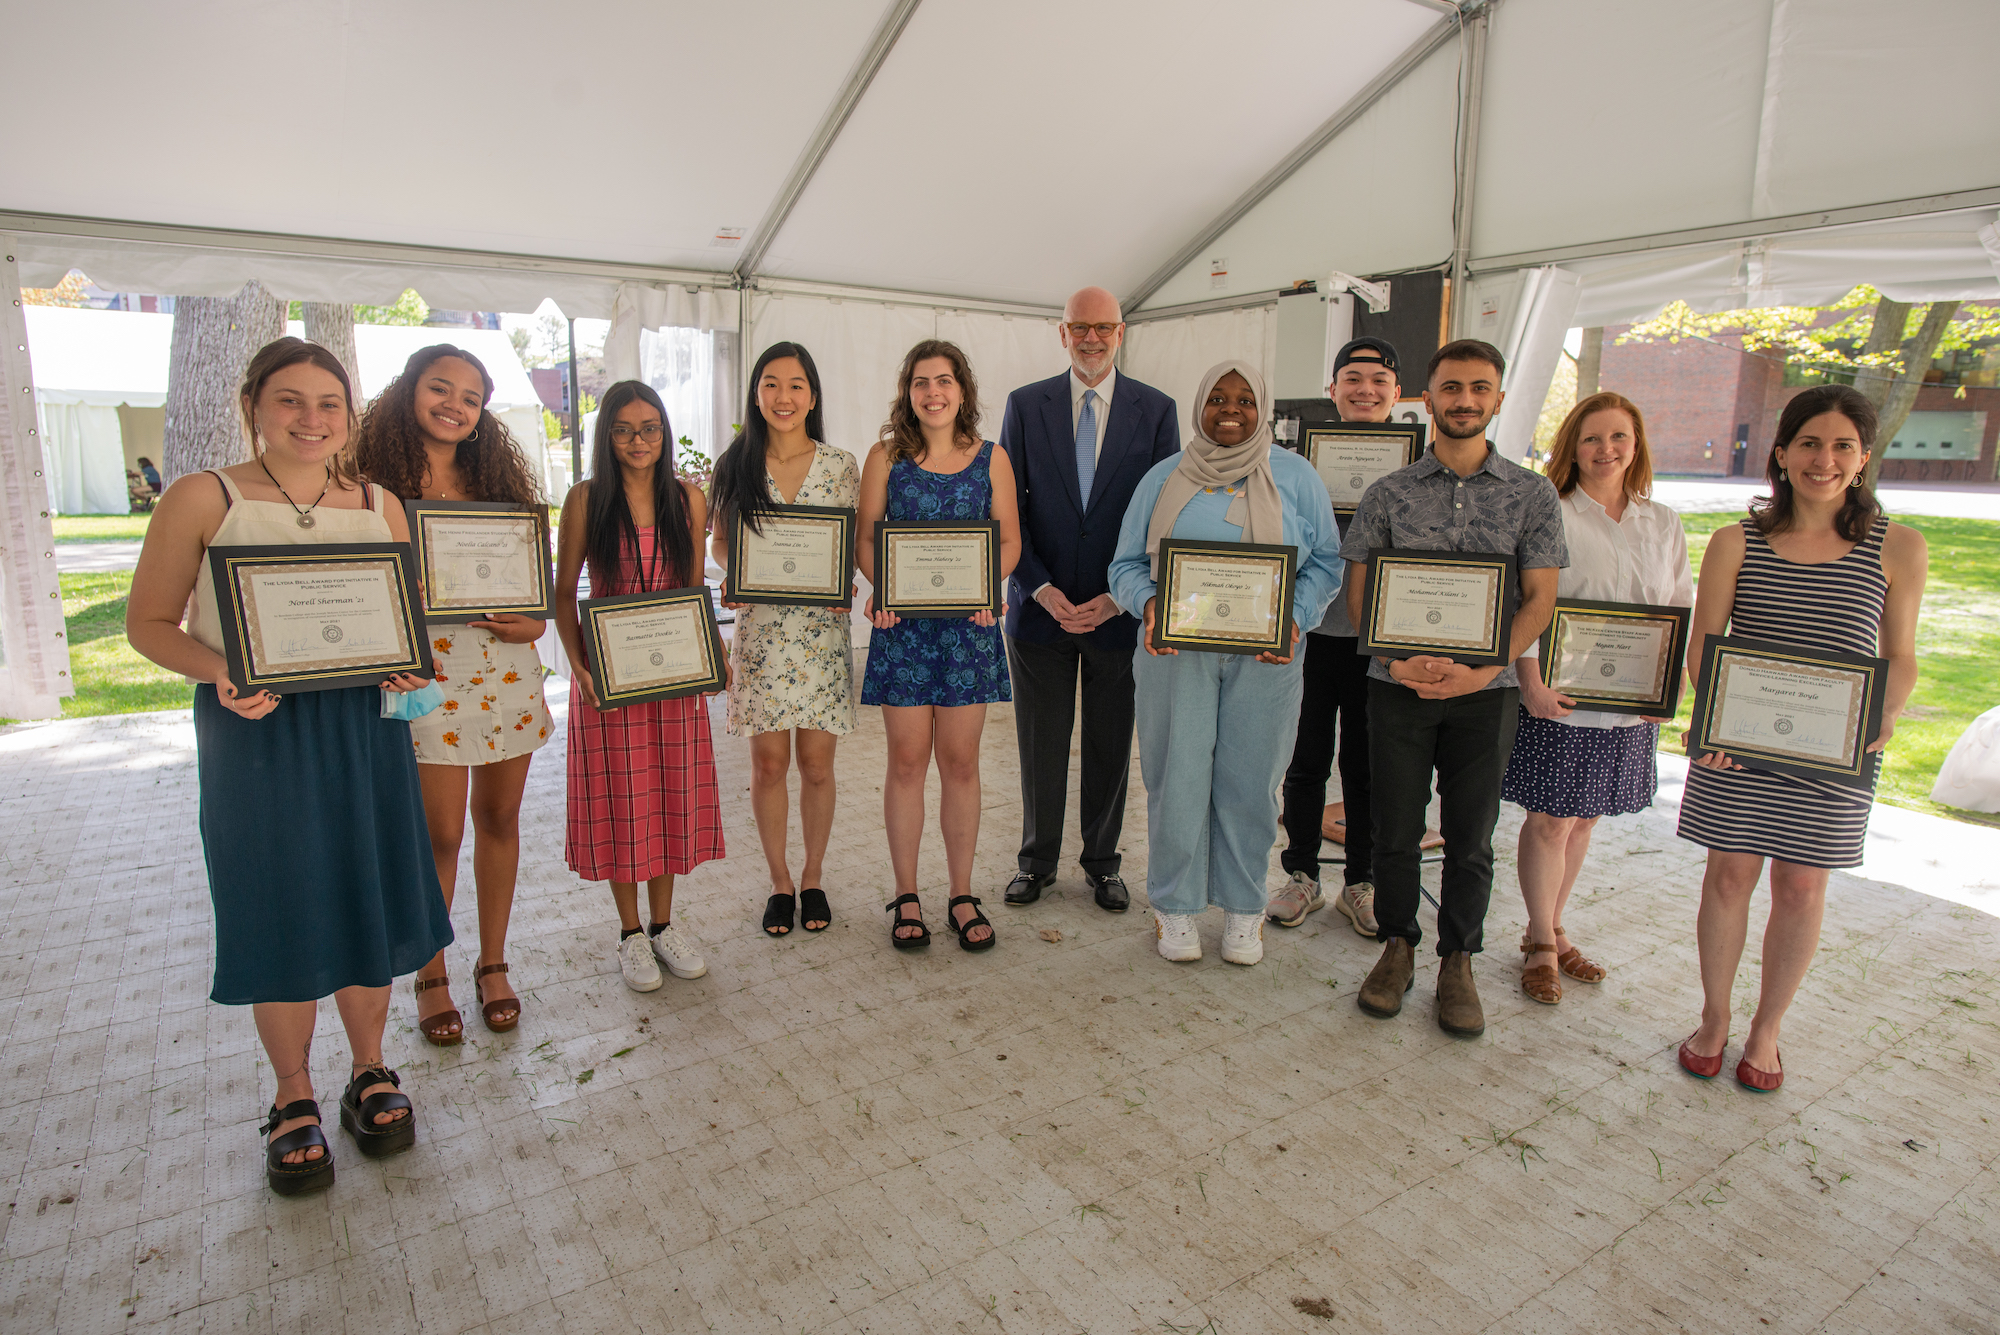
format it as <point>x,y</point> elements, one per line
<point>1206,463</point>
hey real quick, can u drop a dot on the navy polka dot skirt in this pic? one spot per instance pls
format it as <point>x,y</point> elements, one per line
<point>1559,770</point>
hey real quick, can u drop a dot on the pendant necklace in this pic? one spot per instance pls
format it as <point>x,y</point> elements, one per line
<point>306,519</point>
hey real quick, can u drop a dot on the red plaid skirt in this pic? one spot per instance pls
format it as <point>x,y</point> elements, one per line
<point>642,794</point>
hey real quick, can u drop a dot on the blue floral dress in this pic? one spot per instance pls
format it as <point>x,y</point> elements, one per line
<point>938,660</point>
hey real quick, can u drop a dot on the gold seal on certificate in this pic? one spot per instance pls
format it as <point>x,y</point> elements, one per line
<point>1225,597</point>
<point>1350,456</point>
<point>940,568</point>
<point>1456,604</point>
<point>1616,658</point>
<point>479,557</point>
<point>1807,712</point>
<point>652,646</point>
<point>797,554</point>
<point>318,617</point>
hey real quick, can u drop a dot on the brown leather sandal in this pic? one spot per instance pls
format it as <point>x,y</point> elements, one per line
<point>1573,963</point>
<point>446,1028</point>
<point>1540,982</point>
<point>500,1006</point>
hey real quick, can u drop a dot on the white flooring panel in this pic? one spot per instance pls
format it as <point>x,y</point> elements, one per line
<point>825,1134</point>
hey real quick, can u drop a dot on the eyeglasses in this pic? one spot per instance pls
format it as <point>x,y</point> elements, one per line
<point>1083,330</point>
<point>651,433</point>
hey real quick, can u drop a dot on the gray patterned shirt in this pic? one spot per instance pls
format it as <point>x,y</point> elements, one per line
<point>1502,507</point>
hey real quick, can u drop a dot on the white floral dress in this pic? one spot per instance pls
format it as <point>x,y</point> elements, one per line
<point>493,708</point>
<point>793,667</point>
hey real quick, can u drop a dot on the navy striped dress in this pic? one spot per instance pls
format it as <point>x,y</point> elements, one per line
<point>1832,605</point>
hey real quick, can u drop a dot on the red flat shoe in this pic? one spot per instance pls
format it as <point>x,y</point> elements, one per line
<point>1705,1068</point>
<point>1761,1082</point>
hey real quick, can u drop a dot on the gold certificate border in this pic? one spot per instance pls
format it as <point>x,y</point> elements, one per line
<point>1487,647</point>
<point>611,615</point>
<point>1809,665</point>
<point>594,612</point>
<point>1178,560</point>
<point>433,604</point>
<point>886,566</point>
<point>1662,670</point>
<point>738,589</point>
<point>230,598</point>
<point>420,512</point>
<point>1172,550</point>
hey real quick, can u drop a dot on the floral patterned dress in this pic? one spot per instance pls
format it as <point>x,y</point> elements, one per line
<point>493,708</point>
<point>793,667</point>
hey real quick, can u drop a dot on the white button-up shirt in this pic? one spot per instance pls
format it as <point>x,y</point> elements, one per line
<point>1640,558</point>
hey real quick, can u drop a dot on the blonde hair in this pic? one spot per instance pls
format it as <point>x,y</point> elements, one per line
<point>1563,469</point>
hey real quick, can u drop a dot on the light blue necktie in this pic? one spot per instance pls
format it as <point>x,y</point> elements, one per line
<point>1086,446</point>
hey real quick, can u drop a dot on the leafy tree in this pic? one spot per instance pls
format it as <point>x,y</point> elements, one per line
<point>69,292</point>
<point>409,309</point>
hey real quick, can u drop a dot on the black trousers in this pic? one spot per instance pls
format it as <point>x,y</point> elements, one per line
<point>1045,680</point>
<point>1466,741</point>
<point>1336,688</point>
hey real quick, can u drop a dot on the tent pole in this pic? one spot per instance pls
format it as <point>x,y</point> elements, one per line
<point>1468,160</point>
<point>575,412</point>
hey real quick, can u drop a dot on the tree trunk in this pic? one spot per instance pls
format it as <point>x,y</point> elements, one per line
<point>214,339</point>
<point>1589,362</point>
<point>1893,397</point>
<point>331,325</point>
<point>1885,334</point>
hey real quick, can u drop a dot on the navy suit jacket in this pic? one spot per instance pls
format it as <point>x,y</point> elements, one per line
<point>1068,539</point>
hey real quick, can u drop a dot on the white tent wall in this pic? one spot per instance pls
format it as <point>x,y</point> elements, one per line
<point>83,457</point>
<point>1171,354</point>
<point>34,648</point>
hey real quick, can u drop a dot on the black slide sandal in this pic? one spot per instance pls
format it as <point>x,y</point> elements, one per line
<point>814,908</point>
<point>293,1179</point>
<point>358,1115</point>
<point>975,920</point>
<point>907,942</point>
<point>778,913</point>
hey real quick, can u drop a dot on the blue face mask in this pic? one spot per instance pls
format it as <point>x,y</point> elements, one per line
<point>407,705</point>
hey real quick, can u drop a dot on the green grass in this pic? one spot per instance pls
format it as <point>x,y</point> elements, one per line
<point>100,528</point>
<point>110,676</point>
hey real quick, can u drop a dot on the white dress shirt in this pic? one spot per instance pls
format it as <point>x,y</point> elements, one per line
<point>1640,558</point>
<point>1076,389</point>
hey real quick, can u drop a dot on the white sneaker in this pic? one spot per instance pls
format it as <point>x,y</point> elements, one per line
<point>1179,941</point>
<point>679,952</point>
<point>1357,901</point>
<point>1242,937</point>
<point>635,961</point>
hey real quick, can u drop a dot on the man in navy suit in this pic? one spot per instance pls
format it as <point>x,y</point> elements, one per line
<point>1079,445</point>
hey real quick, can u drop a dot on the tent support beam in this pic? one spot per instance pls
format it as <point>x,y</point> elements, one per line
<point>894,20</point>
<point>1242,301</point>
<point>889,296</point>
<point>1287,166</point>
<point>1468,159</point>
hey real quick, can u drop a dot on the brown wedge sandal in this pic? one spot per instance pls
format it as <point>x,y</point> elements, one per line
<point>1573,963</point>
<point>1540,982</point>
<point>446,1028</point>
<point>500,1006</point>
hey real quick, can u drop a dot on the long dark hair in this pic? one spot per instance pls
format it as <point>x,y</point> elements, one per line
<point>609,532</point>
<point>738,486</point>
<point>902,433</point>
<point>1859,509</point>
<point>390,447</point>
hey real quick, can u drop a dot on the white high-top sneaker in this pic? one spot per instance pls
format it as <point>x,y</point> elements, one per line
<point>1242,937</point>
<point>1179,941</point>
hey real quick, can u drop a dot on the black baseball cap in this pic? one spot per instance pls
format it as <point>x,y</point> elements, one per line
<point>1385,352</point>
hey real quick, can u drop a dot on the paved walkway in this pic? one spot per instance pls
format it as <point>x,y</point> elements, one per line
<point>1062,1135</point>
<point>1708,495</point>
<point>97,556</point>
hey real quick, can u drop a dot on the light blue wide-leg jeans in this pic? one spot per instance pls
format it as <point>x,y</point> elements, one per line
<point>1215,734</point>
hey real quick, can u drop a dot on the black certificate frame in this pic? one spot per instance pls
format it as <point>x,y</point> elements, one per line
<point>541,606</point>
<point>1495,648</point>
<point>1874,672</point>
<point>1415,437</point>
<point>226,563</point>
<point>592,611</point>
<point>887,529</point>
<point>1174,551</point>
<point>1663,705</point>
<point>735,591</point>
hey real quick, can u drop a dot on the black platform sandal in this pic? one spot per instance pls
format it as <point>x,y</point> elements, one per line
<point>778,915</point>
<point>975,920</point>
<point>292,1179</point>
<point>813,908</point>
<point>358,1115</point>
<point>907,942</point>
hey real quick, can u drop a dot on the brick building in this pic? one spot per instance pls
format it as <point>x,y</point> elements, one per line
<point>1712,409</point>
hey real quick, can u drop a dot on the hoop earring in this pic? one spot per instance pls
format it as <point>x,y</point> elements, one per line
<point>474,436</point>
<point>1858,479</point>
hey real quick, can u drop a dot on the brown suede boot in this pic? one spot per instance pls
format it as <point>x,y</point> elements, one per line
<point>1458,999</point>
<point>1382,994</point>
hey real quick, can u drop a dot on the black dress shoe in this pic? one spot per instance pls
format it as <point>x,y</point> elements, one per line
<point>1026,888</point>
<point>1109,891</point>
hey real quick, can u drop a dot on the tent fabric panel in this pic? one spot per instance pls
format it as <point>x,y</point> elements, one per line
<point>1374,200</point>
<point>1173,354</point>
<point>103,357</point>
<point>1006,352</point>
<point>83,459</point>
<point>34,648</point>
<point>649,306</point>
<point>858,347</point>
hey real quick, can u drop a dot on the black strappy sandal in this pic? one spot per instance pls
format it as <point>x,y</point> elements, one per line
<point>778,913</point>
<point>814,908</point>
<point>358,1114</point>
<point>907,942</point>
<point>292,1179</point>
<point>970,923</point>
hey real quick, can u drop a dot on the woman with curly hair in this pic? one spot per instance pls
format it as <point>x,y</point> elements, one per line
<point>430,435</point>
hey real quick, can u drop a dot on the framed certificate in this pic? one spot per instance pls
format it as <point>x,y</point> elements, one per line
<point>1349,456</point>
<point>939,568</point>
<point>1808,712</point>
<point>1225,597</point>
<point>652,646</point>
<point>1456,604</point>
<point>318,617</point>
<point>799,554</point>
<point>477,557</point>
<point>1616,658</point>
